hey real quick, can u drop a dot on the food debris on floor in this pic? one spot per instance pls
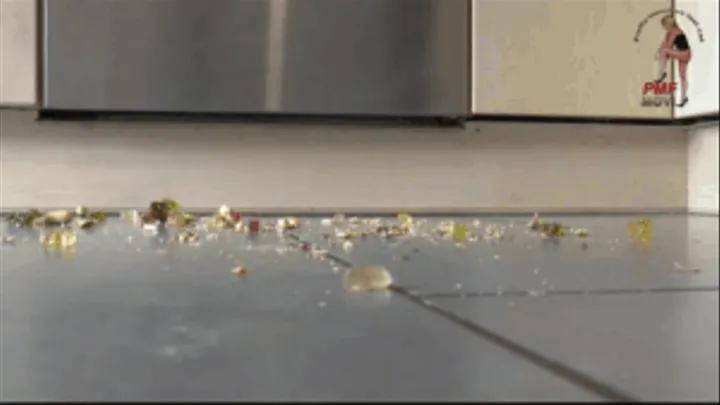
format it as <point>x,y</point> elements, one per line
<point>554,230</point>
<point>8,240</point>
<point>133,217</point>
<point>183,219</point>
<point>338,219</point>
<point>169,223</point>
<point>459,232</point>
<point>367,278</point>
<point>640,230</point>
<point>535,222</point>
<point>26,218</point>
<point>82,211</point>
<point>288,223</point>
<point>57,217</point>
<point>59,239</point>
<point>239,271</point>
<point>581,232</point>
<point>187,237</point>
<point>679,268</point>
<point>86,223</point>
<point>254,226</point>
<point>405,218</point>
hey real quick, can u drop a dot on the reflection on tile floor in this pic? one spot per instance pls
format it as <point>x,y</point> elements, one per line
<point>654,346</point>
<point>133,317</point>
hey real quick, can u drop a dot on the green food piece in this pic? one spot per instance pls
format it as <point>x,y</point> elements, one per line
<point>552,230</point>
<point>98,216</point>
<point>160,211</point>
<point>184,220</point>
<point>26,218</point>
<point>173,206</point>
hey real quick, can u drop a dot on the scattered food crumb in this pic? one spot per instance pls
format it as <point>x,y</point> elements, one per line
<point>239,271</point>
<point>581,232</point>
<point>404,218</point>
<point>86,223</point>
<point>535,222</point>
<point>367,278</point>
<point>8,240</point>
<point>187,237</point>
<point>679,268</point>
<point>288,223</point>
<point>63,239</point>
<point>459,232</point>
<point>224,210</point>
<point>640,231</point>
<point>81,211</point>
<point>58,217</point>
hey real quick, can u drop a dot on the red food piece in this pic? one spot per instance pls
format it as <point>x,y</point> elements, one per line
<point>254,225</point>
<point>236,216</point>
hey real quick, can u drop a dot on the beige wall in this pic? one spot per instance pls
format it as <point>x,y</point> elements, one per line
<point>18,56</point>
<point>703,170</point>
<point>564,57</point>
<point>501,167</point>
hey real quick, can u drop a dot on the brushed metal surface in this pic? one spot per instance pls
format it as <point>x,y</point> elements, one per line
<point>374,57</point>
<point>18,53</point>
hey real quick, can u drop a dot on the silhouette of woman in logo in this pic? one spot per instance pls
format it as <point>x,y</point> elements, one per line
<point>675,46</point>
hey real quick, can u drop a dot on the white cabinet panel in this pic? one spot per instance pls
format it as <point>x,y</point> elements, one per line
<point>700,18</point>
<point>703,187</point>
<point>565,57</point>
<point>18,53</point>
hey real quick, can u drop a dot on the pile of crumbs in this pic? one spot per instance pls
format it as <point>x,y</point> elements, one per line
<point>63,230</point>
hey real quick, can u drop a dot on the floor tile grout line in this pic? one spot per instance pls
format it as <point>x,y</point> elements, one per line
<point>565,372</point>
<point>602,292</point>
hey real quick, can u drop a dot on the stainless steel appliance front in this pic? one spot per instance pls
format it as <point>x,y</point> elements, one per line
<point>386,57</point>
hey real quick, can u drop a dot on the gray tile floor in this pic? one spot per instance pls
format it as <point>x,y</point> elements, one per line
<point>131,317</point>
